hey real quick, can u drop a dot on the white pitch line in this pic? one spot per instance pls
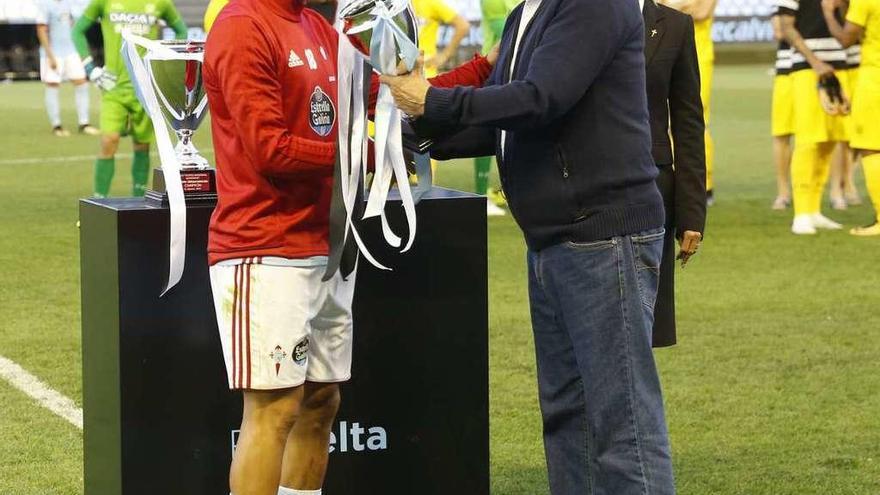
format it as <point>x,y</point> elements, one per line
<point>52,400</point>
<point>69,159</point>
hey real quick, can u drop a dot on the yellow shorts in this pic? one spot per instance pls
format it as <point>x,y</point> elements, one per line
<point>852,80</point>
<point>811,123</point>
<point>849,89</point>
<point>866,111</point>
<point>782,112</point>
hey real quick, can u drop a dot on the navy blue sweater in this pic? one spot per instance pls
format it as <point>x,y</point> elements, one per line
<point>577,164</point>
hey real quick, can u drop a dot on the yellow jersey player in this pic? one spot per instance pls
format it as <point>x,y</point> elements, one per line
<point>211,13</point>
<point>863,23</point>
<point>703,13</point>
<point>819,122</point>
<point>432,14</point>
<point>842,190</point>
<point>782,118</point>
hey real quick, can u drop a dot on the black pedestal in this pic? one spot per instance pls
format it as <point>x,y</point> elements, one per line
<point>159,417</point>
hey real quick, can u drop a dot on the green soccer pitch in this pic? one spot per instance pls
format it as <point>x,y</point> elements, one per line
<point>773,389</point>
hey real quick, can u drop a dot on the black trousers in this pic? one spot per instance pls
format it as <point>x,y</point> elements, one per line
<point>664,308</point>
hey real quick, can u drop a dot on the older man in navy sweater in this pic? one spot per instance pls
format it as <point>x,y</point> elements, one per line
<point>565,112</point>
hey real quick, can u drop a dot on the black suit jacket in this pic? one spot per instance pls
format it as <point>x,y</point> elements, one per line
<point>677,135</point>
<point>676,111</point>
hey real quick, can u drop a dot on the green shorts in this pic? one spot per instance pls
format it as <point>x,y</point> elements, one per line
<point>122,113</point>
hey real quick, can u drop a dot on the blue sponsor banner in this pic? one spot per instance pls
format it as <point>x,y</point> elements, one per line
<point>743,21</point>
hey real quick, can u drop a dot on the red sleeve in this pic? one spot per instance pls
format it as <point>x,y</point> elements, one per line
<point>472,73</point>
<point>241,59</point>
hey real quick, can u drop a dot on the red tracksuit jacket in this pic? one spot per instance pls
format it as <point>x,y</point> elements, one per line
<point>270,75</point>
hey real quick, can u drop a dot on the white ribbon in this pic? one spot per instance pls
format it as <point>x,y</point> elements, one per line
<point>350,79</point>
<point>387,40</point>
<point>141,76</point>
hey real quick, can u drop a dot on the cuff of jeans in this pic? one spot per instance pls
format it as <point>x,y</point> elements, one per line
<point>438,105</point>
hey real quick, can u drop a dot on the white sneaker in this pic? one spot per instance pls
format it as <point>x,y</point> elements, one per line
<point>493,210</point>
<point>820,221</point>
<point>803,225</point>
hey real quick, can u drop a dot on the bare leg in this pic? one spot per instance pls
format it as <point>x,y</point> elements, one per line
<point>850,191</point>
<point>307,451</point>
<point>838,174</point>
<point>109,145</point>
<point>268,418</point>
<point>782,162</point>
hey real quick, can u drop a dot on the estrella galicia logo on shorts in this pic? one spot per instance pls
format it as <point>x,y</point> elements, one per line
<point>322,115</point>
<point>301,351</point>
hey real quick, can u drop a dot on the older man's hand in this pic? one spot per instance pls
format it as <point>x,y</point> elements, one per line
<point>690,243</point>
<point>409,90</point>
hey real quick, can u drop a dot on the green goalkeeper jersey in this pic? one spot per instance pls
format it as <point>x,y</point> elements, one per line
<point>141,17</point>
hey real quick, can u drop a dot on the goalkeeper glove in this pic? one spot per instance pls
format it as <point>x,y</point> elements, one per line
<point>103,79</point>
<point>831,95</point>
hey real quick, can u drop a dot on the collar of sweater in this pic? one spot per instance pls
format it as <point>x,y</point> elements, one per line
<point>288,9</point>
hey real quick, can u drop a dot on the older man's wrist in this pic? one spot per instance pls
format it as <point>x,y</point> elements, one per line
<point>438,105</point>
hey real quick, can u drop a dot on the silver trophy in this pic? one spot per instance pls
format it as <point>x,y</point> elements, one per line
<point>181,92</point>
<point>174,70</point>
<point>359,21</point>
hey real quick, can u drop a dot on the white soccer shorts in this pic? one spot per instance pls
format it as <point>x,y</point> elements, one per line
<point>70,68</point>
<point>281,326</point>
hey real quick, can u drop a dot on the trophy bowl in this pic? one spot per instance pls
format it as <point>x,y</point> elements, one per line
<point>181,92</point>
<point>359,17</point>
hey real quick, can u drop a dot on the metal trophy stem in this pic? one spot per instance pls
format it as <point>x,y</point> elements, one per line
<point>187,154</point>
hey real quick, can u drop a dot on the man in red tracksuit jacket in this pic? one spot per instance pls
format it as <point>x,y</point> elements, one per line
<point>270,75</point>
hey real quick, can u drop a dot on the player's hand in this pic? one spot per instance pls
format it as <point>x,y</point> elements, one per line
<point>831,96</point>
<point>834,106</point>
<point>823,69</point>
<point>437,61</point>
<point>53,62</point>
<point>492,56</point>
<point>409,90</point>
<point>690,243</point>
<point>103,79</point>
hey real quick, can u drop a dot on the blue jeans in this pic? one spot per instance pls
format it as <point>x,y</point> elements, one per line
<point>592,311</point>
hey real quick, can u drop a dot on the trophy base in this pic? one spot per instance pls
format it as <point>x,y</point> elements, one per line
<point>199,187</point>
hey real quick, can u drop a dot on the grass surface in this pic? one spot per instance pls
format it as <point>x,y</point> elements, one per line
<point>774,387</point>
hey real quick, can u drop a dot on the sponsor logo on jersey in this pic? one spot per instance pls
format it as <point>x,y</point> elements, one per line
<point>278,356</point>
<point>293,60</point>
<point>138,23</point>
<point>313,64</point>
<point>301,351</point>
<point>133,18</point>
<point>322,114</point>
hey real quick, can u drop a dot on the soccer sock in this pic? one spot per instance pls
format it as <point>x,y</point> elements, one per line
<point>710,160</point>
<point>290,491</point>
<point>140,171</point>
<point>810,162</point>
<point>824,154</point>
<point>104,168</point>
<point>482,166</point>
<point>53,108</point>
<point>81,94</point>
<point>871,164</point>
